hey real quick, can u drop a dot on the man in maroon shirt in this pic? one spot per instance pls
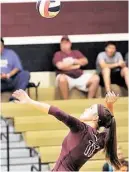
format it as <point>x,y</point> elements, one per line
<point>69,74</point>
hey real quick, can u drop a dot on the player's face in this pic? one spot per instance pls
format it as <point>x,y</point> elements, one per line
<point>65,45</point>
<point>90,114</point>
<point>110,50</point>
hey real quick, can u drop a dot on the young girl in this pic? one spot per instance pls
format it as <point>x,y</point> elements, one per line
<point>84,140</point>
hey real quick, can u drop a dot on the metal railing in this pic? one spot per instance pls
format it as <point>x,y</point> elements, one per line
<point>6,136</point>
<point>33,152</point>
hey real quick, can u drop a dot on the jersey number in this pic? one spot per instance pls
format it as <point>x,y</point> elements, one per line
<point>91,147</point>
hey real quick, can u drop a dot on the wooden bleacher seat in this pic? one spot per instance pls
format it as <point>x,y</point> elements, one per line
<point>47,122</point>
<point>71,106</point>
<point>50,154</point>
<point>46,133</point>
<point>76,94</point>
<point>91,165</point>
<point>123,92</point>
<point>55,137</point>
<point>5,96</point>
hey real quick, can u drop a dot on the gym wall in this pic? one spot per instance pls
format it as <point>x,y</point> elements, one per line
<point>27,33</point>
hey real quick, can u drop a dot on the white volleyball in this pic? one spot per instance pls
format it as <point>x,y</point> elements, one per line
<point>48,8</point>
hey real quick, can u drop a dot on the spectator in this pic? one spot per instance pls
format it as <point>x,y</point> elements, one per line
<point>126,58</point>
<point>111,66</point>
<point>69,74</point>
<point>12,75</point>
<point>124,163</point>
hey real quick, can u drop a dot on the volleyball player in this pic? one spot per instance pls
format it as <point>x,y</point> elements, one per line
<point>84,139</point>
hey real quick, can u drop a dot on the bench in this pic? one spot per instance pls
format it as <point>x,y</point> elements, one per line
<point>50,154</point>
<point>11,110</point>
<point>91,165</point>
<point>6,95</point>
<point>55,137</point>
<point>46,122</point>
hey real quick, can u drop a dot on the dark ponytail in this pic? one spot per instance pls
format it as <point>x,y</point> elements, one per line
<point>111,145</point>
<point>107,120</point>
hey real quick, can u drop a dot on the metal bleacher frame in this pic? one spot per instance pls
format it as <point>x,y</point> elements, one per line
<point>33,152</point>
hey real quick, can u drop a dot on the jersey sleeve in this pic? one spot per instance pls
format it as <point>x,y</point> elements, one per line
<point>73,123</point>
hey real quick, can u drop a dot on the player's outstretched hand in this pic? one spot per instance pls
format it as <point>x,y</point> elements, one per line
<point>111,97</point>
<point>21,97</point>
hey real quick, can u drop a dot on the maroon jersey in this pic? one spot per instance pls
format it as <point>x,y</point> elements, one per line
<point>81,143</point>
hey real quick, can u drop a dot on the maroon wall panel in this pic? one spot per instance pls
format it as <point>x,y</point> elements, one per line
<point>22,19</point>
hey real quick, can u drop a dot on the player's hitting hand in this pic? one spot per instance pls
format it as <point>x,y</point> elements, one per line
<point>21,97</point>
<point>111,97</point>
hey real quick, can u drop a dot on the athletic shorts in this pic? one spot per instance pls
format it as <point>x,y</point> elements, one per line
<point>79,83</point>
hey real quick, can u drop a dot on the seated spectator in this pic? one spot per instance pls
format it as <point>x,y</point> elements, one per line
<point>12,75</point>
<point>111,66</point>
<point>124,163</point>
<point>126,58</point>
<point>69,74</point>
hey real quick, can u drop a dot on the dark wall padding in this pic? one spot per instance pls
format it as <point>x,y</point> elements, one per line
<point>39,57</point>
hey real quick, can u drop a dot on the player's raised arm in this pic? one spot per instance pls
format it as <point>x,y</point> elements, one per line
<point>110,99</point>
<point>73,123</point>
<point>23,98</point>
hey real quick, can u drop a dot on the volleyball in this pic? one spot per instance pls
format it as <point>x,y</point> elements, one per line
<point>48,8</point>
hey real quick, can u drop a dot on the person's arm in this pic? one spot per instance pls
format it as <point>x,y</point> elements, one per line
<point>81,59</point>
<point>13,72</point>
<point>66,66</point>
<point>110,99</point>
<point>126,58</point>
<point>103,64</point>
<point>16,65</point>
<point>73,123</point>
<point>60,64</point>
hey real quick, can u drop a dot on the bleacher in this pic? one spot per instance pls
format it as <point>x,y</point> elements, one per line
<point>35,138</point>
<point>48,91</point>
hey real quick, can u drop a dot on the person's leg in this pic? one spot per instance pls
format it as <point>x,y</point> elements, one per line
<point>6,85</point>
<point>93,85</point>
<point>106,73</point>
<point>88,83</point>
<point>21,80</point>
<point>63,85</point>
<point>124,74</point>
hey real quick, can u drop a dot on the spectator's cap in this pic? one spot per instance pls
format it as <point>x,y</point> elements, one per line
<point>2,41</point>
<point>65,38</point>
